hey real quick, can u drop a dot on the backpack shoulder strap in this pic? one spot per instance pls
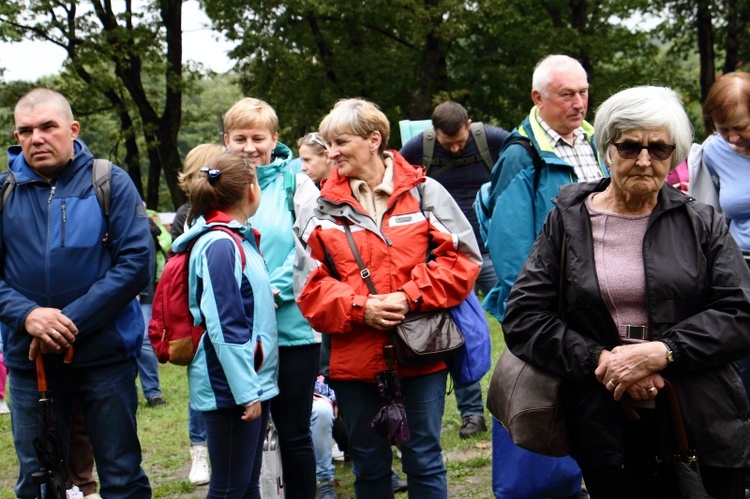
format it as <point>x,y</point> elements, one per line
<point>227,230</point>
<point>480,137</point>
<point>290,186</point>
<point>101,175</point>
<point>535,157</point>
<point>8,184</point>
<point>428,146</point>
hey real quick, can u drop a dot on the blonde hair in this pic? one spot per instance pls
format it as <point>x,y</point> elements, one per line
<point>196,159</point>
<point>356,117</point>
<point>251,113</point>
<point>220,184</point>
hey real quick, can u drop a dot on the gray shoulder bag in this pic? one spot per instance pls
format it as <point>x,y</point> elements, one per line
<point>423,338</point>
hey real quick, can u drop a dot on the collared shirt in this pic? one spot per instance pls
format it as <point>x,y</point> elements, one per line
<point>375,202</point>
<point>580,155</point>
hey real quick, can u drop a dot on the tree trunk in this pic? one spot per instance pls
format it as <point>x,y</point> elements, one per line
<point>705,46</point>
<point>737,21</point>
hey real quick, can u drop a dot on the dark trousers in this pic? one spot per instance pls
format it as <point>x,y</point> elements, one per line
<point>235,448</point>
<point>290,410</point>
<point>644,477</point>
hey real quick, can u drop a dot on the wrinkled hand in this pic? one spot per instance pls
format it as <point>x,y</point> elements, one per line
<point>252,412</point>
<point>53,330</point>
<point>627,365</point>
<point>386,311</point>
<point>646,388</point>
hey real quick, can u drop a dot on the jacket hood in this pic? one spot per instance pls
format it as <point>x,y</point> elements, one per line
<point>181,244</point>
<point>267,173</point>
<point>574,194</point>
<point>405,177</point>
<point>23,172</point>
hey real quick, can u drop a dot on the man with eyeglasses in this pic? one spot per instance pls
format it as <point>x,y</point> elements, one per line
<point>553,146</point>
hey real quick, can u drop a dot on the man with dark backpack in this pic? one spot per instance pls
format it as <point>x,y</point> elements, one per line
<point>71,270</point>
<point>460,155</point>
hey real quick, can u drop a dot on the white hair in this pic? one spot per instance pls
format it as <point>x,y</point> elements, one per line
<point>644,108</point>
<point>547,67</point>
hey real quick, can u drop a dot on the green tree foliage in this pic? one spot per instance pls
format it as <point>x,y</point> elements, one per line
<point>408,55</point>
<point>112,49</point>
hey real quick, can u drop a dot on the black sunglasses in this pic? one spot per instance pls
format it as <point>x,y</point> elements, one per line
<point>630,149</point>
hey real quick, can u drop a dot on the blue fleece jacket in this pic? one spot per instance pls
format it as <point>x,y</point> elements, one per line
<point>237,358</point>
<point>274,220</point>
<point>52,255</point>
<point>518,210</point>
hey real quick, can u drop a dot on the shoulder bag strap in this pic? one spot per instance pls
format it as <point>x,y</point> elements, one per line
<point>363,271</point>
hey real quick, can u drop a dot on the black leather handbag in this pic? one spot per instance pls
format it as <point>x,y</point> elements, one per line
<point>423,338</point>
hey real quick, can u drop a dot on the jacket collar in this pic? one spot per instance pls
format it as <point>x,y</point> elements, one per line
<point>268,173</point>
<point>23,172</point>
<point>571,195</point>
<point>405,177</point>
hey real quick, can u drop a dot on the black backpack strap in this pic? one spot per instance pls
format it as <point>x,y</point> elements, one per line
<point>480,138</point>
<point>535,157</point>
<point>8,184</point>
<point>428,147</point>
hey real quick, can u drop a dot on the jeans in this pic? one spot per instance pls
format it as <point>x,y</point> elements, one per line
<point>109,399</point>
<point>487,276</point>
<point>469,399</point>
<point>196,427</point>
<point>148,366</point>
<point>235,448</point>
<point>290,410</point>
<point>421,456</point>
<point>321,427</point>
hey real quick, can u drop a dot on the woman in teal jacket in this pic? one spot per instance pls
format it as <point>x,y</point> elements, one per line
<point>250,128</point>
<point>232,377</point>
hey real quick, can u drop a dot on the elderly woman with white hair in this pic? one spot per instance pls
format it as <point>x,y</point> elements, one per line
<point>653,288</point>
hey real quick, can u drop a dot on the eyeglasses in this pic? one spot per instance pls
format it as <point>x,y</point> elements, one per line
<point>312,138</point>
<point>630,149</point>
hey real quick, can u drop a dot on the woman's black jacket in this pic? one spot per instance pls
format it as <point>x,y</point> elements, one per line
<point>698,300</point>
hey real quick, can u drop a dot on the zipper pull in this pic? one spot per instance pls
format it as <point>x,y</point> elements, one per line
<point>51,194</point>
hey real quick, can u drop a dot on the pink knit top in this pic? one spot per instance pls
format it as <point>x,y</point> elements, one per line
<point>618,257</point>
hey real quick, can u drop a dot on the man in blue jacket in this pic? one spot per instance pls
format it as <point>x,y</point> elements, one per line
<point>522,192</point>
<point>70,277</point>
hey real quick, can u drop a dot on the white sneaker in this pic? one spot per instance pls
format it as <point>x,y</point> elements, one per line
<point>4,407</point>
<point>336,453</point>
<point>200,474</point>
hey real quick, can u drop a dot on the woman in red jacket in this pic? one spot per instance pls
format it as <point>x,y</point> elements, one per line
<point>421,254</point>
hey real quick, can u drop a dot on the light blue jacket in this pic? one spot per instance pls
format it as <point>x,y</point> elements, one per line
<point>520,201</point>
<point>274,220</point>
<point>237,358</point>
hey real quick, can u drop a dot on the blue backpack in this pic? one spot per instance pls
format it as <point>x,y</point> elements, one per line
<point>482,206</point>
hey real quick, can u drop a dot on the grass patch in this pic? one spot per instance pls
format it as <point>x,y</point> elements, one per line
<point>166,448</point>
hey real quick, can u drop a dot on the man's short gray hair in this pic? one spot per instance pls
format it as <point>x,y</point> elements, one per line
<point>45,96</point>
<point>547,67</point>
<point>644,108</point>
